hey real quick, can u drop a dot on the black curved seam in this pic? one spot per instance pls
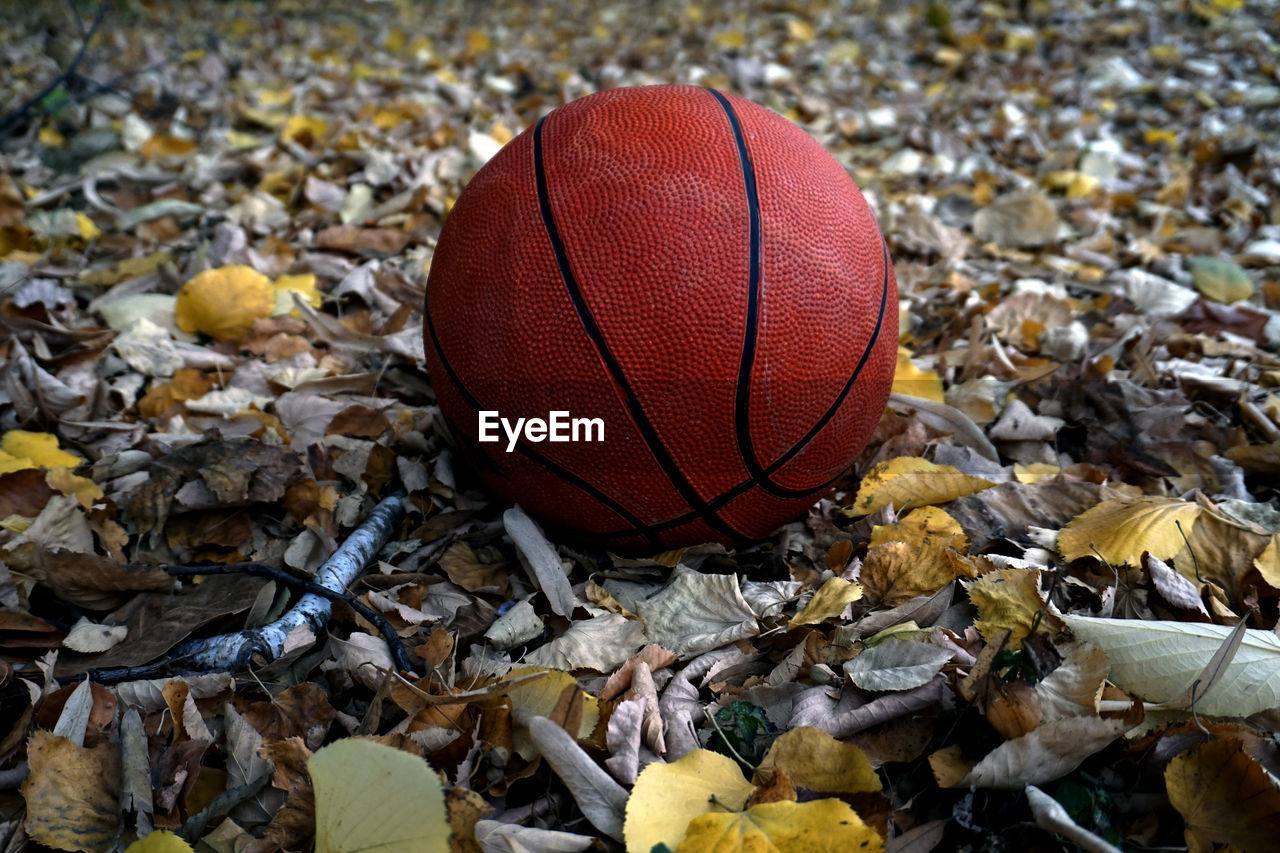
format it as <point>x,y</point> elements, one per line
<point>746,485</point>
<point>568,476</point>
<point>755,286</point>
<point>632,402</point>
<point>853,378</point>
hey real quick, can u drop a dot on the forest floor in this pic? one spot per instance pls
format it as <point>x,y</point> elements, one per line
<point>1039,611</point>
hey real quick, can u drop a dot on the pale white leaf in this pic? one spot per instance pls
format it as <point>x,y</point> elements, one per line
<point>1173,587</point>
<point>602,800</point>
<point>74,718</point>
<point>695,613</point>
<point>498,837</point>
<point>1159,660</point>
<point>1074,689</point>
<point>541,560</point>
<point>601,643</point>
<point>89,637</point>
<point>1051,816</point>
<point>896,665</point>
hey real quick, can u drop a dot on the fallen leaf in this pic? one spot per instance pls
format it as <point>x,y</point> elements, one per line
<point>1006,598</point>
<point>828,602</point>
<point>896,665</point>
<point>1225,796</point>
<point>695,613</point>
<point>820,826</point>
<point>1158,661</point>
<point>70,793</point>
<point>666,797</point>
<point>223,303</point>
<point>159,841</point>
<point>1219,280</point>
<point>373,797</point>
<point>815,760</point>
<point>1121,530</point>
<point>911,481</point>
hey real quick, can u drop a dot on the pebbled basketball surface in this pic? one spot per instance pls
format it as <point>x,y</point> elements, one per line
<point>692,269</point>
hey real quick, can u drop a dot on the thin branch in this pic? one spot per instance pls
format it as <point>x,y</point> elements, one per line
<point>388,631</point>
<point>233,652</point>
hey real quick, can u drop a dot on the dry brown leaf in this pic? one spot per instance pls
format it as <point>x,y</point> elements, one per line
<point>1225,797</point>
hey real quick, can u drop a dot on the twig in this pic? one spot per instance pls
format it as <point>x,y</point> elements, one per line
<point>67,74</point>
<point>232,652</point>
<point>398,653</point>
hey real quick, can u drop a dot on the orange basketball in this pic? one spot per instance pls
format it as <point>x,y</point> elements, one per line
<point>662,315</point>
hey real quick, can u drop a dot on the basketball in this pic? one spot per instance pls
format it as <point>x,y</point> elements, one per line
<point>660,316</point>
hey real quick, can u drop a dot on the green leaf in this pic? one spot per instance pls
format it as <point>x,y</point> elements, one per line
<point>1219,280</point>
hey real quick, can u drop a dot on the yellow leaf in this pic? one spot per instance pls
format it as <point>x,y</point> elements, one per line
<point>304,285</point>
<point>159,841</point>
<point>911,480</point>
<point>828,602</point>
<point>821,826</point>
<point>1034,472</point>
<point>911,380</point>
<point>478,42</point>
<point>307,131</point>
<point>1155,136</point>
<point>40,449</point>
<point>731,39</point>
<point>374,797</point>
<point>1074,183</point>
<point>10,463</point>
<point>88,230</point>
<point>1006,598</point>
<point>539,697</point>
<point>84,490</point>
<point>1121,530</point>
<point>891,574</point>
<point>924,529</point>
<point>799,30</point>
<point>815,760</point>
<point>274,97</point>
<point>1268,563</point>
<point>70,793</point>
<point>666,797</point>
<point>1225,797</point>
<point>51,138</point>
<point>165,145</point>
<point>223,303</point>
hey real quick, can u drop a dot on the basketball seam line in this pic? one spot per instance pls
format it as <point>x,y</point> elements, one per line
<point>742,390</point>
<point>554,468</point>
<point>646,429</point>
<point>745,486</point>
<point>755,286</point>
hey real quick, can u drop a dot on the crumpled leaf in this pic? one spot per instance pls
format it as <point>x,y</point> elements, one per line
<point>695,613</point>
<point>1006,598</point>
<point>828,602</point>
<point>1048,752</point>
<point>70,793</point>
<point>370,796</point>
<point>912,481</point>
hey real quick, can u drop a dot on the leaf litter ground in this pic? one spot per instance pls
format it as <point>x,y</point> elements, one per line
<point>1039,611</point>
